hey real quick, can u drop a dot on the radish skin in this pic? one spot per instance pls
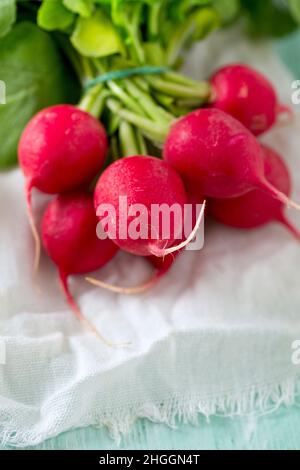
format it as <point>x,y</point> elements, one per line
<point>161,264</point>
<point>146,181</point>
<point>247,95</point>
<point>69,238</point>
<point>257,208</point>
<point>61,149</point>
<point>217,153</point>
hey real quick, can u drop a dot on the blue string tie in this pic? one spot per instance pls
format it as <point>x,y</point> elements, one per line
<point>125,73</point>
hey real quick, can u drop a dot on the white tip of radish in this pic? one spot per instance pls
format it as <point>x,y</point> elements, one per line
<point>76,310</point>
<point>161,253</point>
<point>292,205</point>
<point>272,191</point>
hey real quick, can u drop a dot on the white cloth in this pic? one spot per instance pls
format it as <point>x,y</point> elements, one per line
<point>213,337</point>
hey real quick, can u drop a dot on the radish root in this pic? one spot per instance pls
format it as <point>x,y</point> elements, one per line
<point>270,189</point>
<point>289,226</point>
<point>76,310</point>
<point>140,289</point>
<point>161,253</point>
<point>34,230</point>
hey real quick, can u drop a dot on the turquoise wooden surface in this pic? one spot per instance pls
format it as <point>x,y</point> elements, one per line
<point>276,431</point>
<point>279,430</point>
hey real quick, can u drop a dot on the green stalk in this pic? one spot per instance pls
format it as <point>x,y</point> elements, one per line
<point>98,105</point>
<point>88,100</point>
<point>128,142</point>
<point>87,68</point>
<point>181,111</point>
<point>149,106</point>
<point>153,16</point>
<point>114,148</point>
<point>125,98</point>
<point>189,103</point>
<point>180,37</point>
<point>132,27</point>
<point>182,79</point>
<point>156,131</point>
<point>99,66</point>
<point>112,124</point>
<point>180,91</point>
<point>141,83</point>
<point>141,143</point>
<point>164,100</point>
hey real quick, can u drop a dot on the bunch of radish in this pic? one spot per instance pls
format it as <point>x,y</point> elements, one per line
<point>218,155</point>
<point>61,151</point>
<point>211,153</point>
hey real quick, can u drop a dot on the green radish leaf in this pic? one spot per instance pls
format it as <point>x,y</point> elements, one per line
<point>228,9</point>
<point>8,13</point>
<point>84,8</point>
<point>31,84</point>
<point>268,18</point>
<point>96,36</point>
<point>54,15</point>
<point>295,9</point>
<point>179,9</point>
<point>207,20</point>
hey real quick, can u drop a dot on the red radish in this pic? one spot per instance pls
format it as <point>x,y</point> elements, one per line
<point>257,208</point>
<point>163,264</point>
<point>247,95</point>
<point>213,150</point>
<point>60,149</point>
<point>148,182</point>
<point>194,196</point>
<point>69,237</point>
